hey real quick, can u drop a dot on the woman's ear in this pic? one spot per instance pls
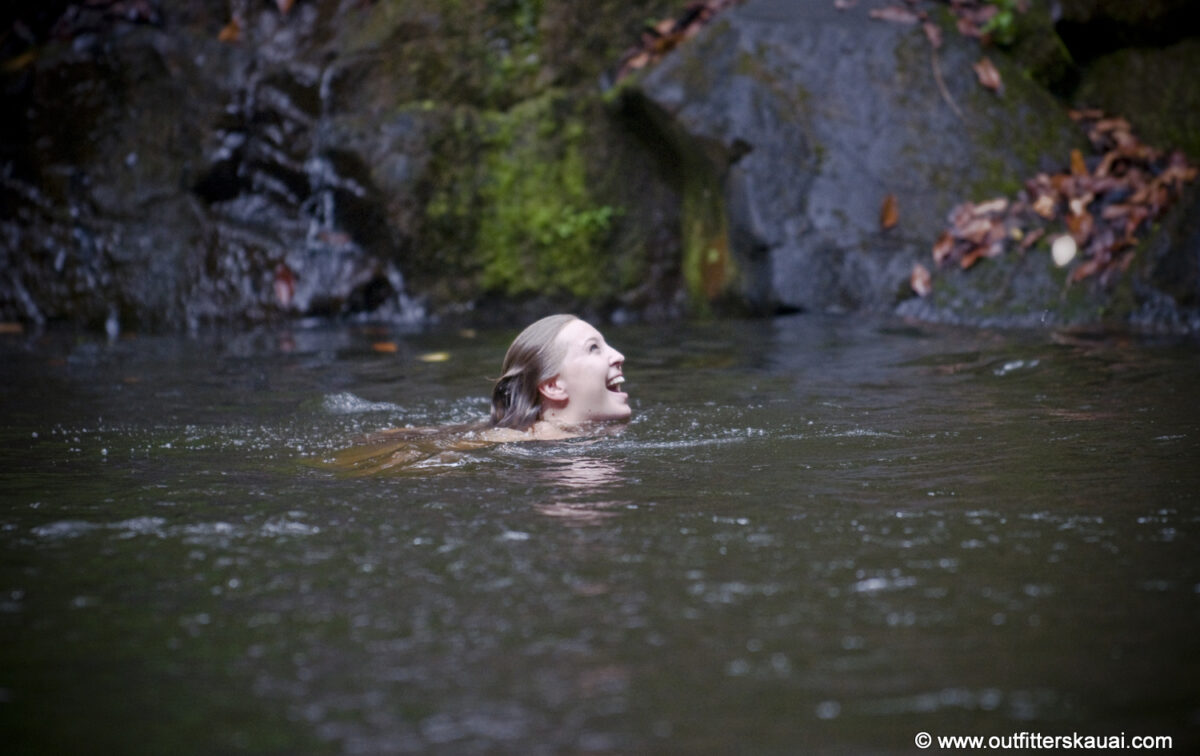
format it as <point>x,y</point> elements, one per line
<point>553,390</point>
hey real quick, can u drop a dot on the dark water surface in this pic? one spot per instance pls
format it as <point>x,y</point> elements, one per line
<point>815,536</point>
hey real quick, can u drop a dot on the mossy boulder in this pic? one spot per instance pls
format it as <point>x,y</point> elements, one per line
<point>1155,89</point>
<point>810,118</point>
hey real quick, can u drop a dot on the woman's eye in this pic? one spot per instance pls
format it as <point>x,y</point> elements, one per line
<point>594,348</point>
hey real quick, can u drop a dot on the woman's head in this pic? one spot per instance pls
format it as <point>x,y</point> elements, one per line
<point>559,369</point>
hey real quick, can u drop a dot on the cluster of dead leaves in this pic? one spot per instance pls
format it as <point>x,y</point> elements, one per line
<point>232,31</point>
<point>1099,206</point>
<point>667,34</point>
<point>971,20</point>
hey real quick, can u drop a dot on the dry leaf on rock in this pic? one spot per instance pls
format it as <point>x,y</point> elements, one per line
<point>942,248</point>
<point>988,75</point>
<point>889,214</point>
<point>231,32</point>
<point>896,14</point>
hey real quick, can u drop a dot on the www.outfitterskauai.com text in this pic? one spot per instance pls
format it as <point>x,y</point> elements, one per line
<point>1035,740</point>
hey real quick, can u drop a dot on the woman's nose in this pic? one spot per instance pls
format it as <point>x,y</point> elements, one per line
<point>617,358</point>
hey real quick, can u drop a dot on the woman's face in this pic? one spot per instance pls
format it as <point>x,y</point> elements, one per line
<point>589,379</point>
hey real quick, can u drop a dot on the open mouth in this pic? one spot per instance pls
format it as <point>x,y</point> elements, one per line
<point>614,384</point>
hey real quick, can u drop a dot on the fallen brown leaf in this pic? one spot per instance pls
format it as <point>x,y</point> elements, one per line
<point>998,205</point>
<point>1045,206</point>
<point>1080,226</point>
<point>1078,166</point>
<point>988,75</point>
<point>231,32</point>
<point>943,248</point>
<point>889,214</point>
<point>896,14</point>
<point>1032,237</point>
<point>976,254</point>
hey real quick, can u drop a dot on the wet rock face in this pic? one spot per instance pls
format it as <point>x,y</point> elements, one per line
<point>166,179</point>
<point>175,169</point>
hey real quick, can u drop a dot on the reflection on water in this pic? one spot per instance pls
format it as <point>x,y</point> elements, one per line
<point>579,486</point>
<point>815,535</point>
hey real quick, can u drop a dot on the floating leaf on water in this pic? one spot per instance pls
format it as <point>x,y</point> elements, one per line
<point>434,357</point>
<point>284,5</point>
<point>385,347</point>
<point>11,328</point>
<point>889,214</point>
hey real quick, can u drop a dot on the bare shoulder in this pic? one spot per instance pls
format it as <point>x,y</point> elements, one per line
<point>502,435</point>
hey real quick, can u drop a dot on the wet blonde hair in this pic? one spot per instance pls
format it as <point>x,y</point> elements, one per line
<point>534,356</point>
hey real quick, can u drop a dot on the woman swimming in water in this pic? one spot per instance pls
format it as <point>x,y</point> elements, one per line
<point>559,380</point>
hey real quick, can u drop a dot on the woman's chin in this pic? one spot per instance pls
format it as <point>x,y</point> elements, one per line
<point>623,411</point>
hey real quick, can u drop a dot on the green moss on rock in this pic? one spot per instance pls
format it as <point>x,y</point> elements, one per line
<point>540,230</point>
<point>1154,89</point>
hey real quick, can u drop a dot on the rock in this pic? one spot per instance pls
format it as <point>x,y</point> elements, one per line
<point>300,166</point>
<point>1155,89</point>
<point>810,117</point>
<point>1166,285</point>
<point>1092,28</point>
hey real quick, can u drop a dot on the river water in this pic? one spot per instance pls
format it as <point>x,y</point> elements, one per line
<point>815,535</point>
